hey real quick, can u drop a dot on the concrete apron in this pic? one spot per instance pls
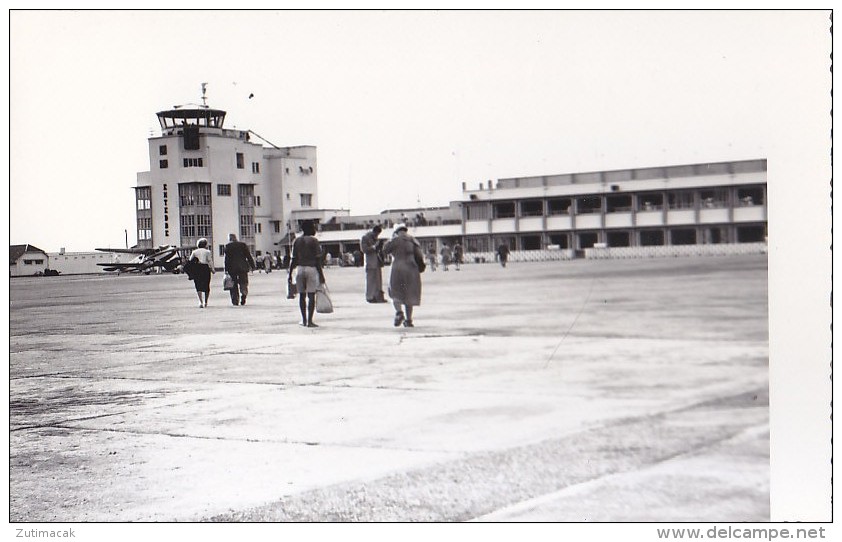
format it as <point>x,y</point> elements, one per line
<point>563,391</point>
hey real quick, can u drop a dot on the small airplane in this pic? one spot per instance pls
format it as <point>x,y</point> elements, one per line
<point>165,257</point>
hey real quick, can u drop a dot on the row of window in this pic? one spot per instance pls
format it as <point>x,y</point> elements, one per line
<point>188,162</point>
<point>722,197</point>
<point>240,159</point>
<point>706,235</point>
<point>163,163</point>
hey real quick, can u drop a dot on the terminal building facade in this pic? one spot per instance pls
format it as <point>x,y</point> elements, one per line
<point>696,209</point>
<point>208,181</point>
<point>641,211</point>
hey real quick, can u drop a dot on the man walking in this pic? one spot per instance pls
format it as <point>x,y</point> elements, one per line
<point>457,254</point>
<point>238,263</point>
<point>371,247</point>
<point>503,254</point>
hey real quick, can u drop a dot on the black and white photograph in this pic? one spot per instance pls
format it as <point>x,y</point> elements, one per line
<point>285,269</point>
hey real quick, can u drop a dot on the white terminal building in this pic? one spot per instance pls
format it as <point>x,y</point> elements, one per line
<point>209,181</point>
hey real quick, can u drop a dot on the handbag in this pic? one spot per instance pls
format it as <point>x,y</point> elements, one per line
<point>419,261</point>
<point>291,289</point>
<point>190,268</point>
<point>227,282</point>
<point>323,303</point>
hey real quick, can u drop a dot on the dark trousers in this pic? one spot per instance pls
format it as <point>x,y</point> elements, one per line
<point>241,286</point>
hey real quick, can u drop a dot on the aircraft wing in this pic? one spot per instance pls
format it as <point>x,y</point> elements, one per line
<point>125,250</point>
<point>117,265</point>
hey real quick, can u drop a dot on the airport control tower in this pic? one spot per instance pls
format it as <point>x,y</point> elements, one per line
<point>205,180</point>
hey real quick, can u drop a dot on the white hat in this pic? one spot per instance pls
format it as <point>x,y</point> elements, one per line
<point>399,227</point>
<point>199,242</point>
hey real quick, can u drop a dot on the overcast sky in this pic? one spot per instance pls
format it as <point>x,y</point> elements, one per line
<point>402,106</point>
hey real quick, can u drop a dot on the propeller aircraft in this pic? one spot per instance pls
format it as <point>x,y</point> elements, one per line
<point>164,257</point>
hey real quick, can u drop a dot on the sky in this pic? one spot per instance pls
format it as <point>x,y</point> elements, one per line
<point>403,106</point>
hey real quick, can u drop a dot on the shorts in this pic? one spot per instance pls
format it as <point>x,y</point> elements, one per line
<point>307,279</point>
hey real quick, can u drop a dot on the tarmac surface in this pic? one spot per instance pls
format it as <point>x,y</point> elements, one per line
<point>573,391</point>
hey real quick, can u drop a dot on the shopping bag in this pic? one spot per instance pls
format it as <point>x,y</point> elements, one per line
<point>323,303</point>
<point>227,282</point>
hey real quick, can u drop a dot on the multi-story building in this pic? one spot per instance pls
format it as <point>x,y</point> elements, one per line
<point>711,208</point>
<point>631,211</point>
<point>208,181</point>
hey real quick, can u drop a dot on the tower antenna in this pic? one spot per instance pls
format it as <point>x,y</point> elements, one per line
<point>204,97</point>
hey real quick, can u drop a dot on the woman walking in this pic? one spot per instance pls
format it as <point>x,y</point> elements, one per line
<point>202,269</point>
<point>307,257</point>
<point>405,280</point>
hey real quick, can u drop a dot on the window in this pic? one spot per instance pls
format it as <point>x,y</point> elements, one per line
<point>222,250</point>
<point>306,200</point>
<point>259,227</point>
<point>476,211</point>
<point>194,194</point>
<point>188,225</point>
<point>193,162</point>
<point>618,239</point>
<point>559,206</point>
<point>223,190</point>
<point>714,198</point>
<point>531,242</point>
<point>618,204</point>
<point>241,164</point>
<point>588,204</point>
<point>559,239</point>
<point>33,262</point>
<point>276,224</point>
<point>255,167</point>
<point>747,197</point>
<point>531,208</point>
<point>258,201</point>
<point>203,225</point>
<point>144,197</point>
<point>246,210</point>
<point>477,244</point>
<point>683,237</point>
<point>162,150</point>
<point>681,200</point>
<point>751,234</point>
<point>504,210</point>
<point>508,240</point>
<point>246,195</point>
<point>650,238</point>
<point>163,164</point>
<point>246,226</point>
<point>588,240</point>
<point>714,235</point>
